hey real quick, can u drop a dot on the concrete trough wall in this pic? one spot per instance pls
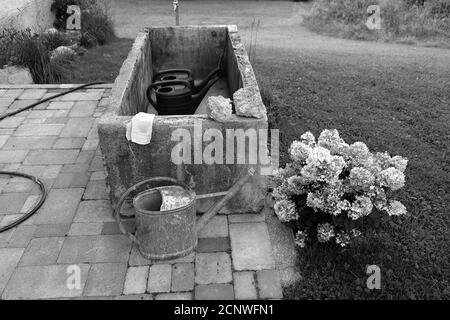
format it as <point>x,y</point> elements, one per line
<point>198,48</point>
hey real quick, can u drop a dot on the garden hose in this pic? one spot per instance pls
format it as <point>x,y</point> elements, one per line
<point>27,176</point>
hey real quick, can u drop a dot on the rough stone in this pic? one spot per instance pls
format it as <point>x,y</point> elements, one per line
<point>136,280</point>
<point>183,277</point>
<point>159,278</point>
<point>212,268</point>
<point>244,285</point>
<point>219,108</point>
<point>106,279</point>
<point>15,75</point>
<point>248,103</point>
<point>214,292</point>
<point>62,52</point>
<point>250,245</point>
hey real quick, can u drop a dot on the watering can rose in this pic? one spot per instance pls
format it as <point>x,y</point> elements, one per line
<point>331,189</point>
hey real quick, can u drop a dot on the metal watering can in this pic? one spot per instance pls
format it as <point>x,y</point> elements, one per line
<point>173,233</point>
<point>176,92</point>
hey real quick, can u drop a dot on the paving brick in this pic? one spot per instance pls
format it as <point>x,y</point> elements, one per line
<point>71,180</point>
<point>3,140</point>
<point>20,237</point>
<point>11,203</point>
<point>174,296</point>
<point>59,207</point>
<point>9,258</point>
<point>243,218</point>
<point>159,278</point>
<point>43,282</point>
<point>77,127</point>
<point>8,219</point>
<point>250,246</point>
<point>96,190</point>
<point>41,114</point>
<point>91,144</point>
<point>213,245</point>
<point>82,96</point>
<point>183,277</point>
<point>30,203</point>
<point>11,122</point>
<point>56,120</point>
<point>33,121</point>
<point>217,227</point>
<point>26,143</point>
<point>269,285</point>
<point>12,93</point>
<point>136,259</point>
<point>5,102</point>
<point>51,230</point>
<point>42,251</point>
<point>18,186</point>
<point>20,104</point>
<point>135,297</point>
<point>96,164</point>
<point>12,156</point>
<point>83,109</point>
<point>95,249</point>
<point>30,94</point>
<point>244,285</point>
<point>214,292</point>
<point>63,105</point>
<point>98,175</point>
<point>51,157</point>
<point>136,280</point>
<point>113,228</point>
<point>212,268</point>
<point>94,211</point>
<point>51,171</point>
<point>86,229</point>
<point>69,143</point>
<point>85,157</point>
<point>78,167</point>
<point>32,130</point>
<point>105,279</point>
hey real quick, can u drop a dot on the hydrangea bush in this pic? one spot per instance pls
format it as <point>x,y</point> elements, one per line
<point>331,191</point>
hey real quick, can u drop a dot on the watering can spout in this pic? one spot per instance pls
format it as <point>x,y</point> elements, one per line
<point>206,217</point>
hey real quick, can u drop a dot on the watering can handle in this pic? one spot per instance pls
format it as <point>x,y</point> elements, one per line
<point>134,188</point>
<point>162,83</point>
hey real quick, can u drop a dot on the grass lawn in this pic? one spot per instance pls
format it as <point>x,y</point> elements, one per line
<point>394,108</point>
<point>101,63</point>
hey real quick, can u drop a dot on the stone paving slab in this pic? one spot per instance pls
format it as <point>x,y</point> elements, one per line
<point>58,142</point>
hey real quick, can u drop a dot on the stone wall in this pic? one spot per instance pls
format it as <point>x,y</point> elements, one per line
<point>22,14</point>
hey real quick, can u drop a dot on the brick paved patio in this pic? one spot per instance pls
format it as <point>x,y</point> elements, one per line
<point>238,256</point>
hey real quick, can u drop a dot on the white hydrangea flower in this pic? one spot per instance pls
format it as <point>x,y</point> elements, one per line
<point>355,233</point>
<point>361,179</point>
<point>300,239</point>
<point>392,178</point>
<point>286,210</point>
<point>399,163</point>
<point>318,156</point>
<point>308,139</point>
<point>359,154</point>
<point>315,201</point>
<point>362,206</point>
<point>396,208</point>
<point>299,151</point>
<point>297,184</point>
<point>325,232</point>
<point>343,239</point>
<point>331,140</point>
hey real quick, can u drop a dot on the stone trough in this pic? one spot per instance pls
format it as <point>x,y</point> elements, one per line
<point>198,48</point>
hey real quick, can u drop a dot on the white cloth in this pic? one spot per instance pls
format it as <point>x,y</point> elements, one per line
<point>139,129</point>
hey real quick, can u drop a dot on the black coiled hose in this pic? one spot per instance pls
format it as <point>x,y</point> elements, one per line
<point>27,176</point>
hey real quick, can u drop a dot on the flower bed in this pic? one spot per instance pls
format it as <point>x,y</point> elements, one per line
<point>333,191</point>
